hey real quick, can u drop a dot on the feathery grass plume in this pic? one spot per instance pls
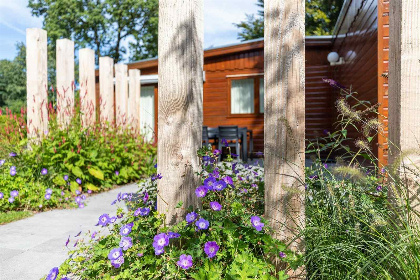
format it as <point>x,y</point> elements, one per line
<point>362,144</point>
<point>372,124</point>
<point>350,172</point>
<point>346,111</point>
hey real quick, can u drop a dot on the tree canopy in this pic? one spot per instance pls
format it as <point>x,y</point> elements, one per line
<point>103,25</point>
<point>320,19</point>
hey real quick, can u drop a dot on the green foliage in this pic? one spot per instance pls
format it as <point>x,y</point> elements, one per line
<point>102,25</point>
<point>7,217</point>
<point>320,19</point>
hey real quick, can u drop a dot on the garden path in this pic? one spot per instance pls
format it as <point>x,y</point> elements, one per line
<point>29,248</point>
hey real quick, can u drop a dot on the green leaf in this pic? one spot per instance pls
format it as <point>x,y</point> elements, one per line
<point>77,171</point>
<point>179,205</point>
<point>73,187</point>
<point>344,132</point>
<point>58,180</point>
<point>92,187</point>
<point>98,174</point>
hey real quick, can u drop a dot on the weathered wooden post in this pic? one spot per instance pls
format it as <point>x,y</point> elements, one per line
<point>133,110</point>
<point>404,90</point>
<point>180,103</point>
<point>106,89</point>
<point>121,94</point>
<point>37,83</point>
<point>65,81</point>
<point>284,116</point>
<point>87,87</point>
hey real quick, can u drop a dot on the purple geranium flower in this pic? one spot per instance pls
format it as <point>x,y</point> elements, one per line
<point>219,186</point>
<point>12,171</point>
<point>89,191</point>
<point>201,191</point>
<point>160,241</point>
<point>1,195</point>
<point>191,217</point>
<point>379,188</point>
<point>12,154</point>
<point>144,211</point>
<point>44,171</point>
<point>77,199</point>
<point>47,196</point>
<point>211,248</point>
<point>117,172</point>
<point>66,177</point>
<point>14,193</point>
<point>217,152</point>
<point>79,181</point>
<point>202,224</point>
<point>282,255</point>
<point>225,142</point>
<point>104,220</point>
<point>11,200</point>
<point>209,182</point>
<point>112,219</point>
<point>146,197</point>
<point>94,234</point>
<point>172,234</point>
<point>118,262</point>
<point>81,205</point>
<point>124,196</point>
<point>125,230</point>
<point>78,192</point>
<point>52,275</point>
<point>115,254</point>
<point>228,180</point>
<point>185,261</point>
<point>48,191</point>
<point>159,251</point>
<point>215,206</point>
<point>256,223</point>
<point>126,243</point>
<point>2,162</point>
<point>137,212</point>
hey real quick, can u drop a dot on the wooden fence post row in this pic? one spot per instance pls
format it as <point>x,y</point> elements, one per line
<point>37,86</point>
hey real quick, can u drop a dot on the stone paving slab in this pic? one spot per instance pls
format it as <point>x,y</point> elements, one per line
<point>29,248</point>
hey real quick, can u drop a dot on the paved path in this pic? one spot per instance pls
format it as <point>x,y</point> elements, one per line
<point>29,248</point>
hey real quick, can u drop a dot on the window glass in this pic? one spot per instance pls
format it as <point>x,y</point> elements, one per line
<point>261,95</point>
<point>242,96</point>
<point>147,111</point>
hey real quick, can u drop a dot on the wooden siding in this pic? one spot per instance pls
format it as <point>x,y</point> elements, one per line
<point>357,42</point>
<point>383,54</point>
<point>245,59</point>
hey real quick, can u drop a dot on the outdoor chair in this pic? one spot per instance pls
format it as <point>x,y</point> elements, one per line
<point>205,137</point>
<point>229,133</point>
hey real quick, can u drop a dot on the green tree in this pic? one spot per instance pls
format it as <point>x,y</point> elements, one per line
<point>103,25</point>
<point>320,19</point>
<point>13,80</point>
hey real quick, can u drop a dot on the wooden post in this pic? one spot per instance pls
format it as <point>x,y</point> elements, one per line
<point>87,87</point>
<point>65,81</point>
<point>106,89</point>
<point>121,94</point>
<point>134,95</point>
<point>37,83</point>
<point>284,116</point>
<point>404,91</point>
<point>180,104</point>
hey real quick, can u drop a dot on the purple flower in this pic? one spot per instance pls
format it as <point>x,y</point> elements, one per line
<point>146,197</point>
<point>259,153</point>
<point>12,171</point>
<point>156,177</point>
<point>83,197</point>
<point>117,172</point>
<point>326,132</point>
<point>140,254</point>
<point>77,192</point>
<point>115,201</point>
<point>104,220</point>
<point>112,219</point>
<point>12,154</point>
<point>126,243</point>
<point>115,254</point>
<point>256,223</point>
<point>191,217</point>
<point>201,191</point>
<point>66,177</point>
<point>79,181</point>
<point>47,196</point>
<point>379,188</point>
<point>225,142</point>
<point>125,230</point>
<point>80,232</point>
<point>211,248</point>
<point>217,152</point>
<point>14,193</point>
<point>124,196</point>
<point>11,200</point>
<point>44,171</point>
<point>206,158</point>
<point>172,234</point>
<point>137,212</point>
<point>48,191</point>
<point>89,191</point>
<point>244,190</point>
<point>326,166</point>
<point>65,278</point>
<point>220,185</point>
<point>77,199</point>
<point>185,261</point>
<point>94,234</point>
<point>1,195</point>
<point>118,262</point>
<point>333,83</point>
<point>160,241</point>
<point>228,180</point>
<point>144,211</point>
<point>202,224</point>
<point>68,240</point>
<point>209,182</point>
<point>2,162</point>
<point>81,205</point>
<point>52,275</point>
<point>282,255</point>
<point>215,206</point>
<point>159,251</point>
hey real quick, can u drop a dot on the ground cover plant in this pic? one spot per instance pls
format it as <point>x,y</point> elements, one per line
<point>227,238</point>
<point>68,163</point>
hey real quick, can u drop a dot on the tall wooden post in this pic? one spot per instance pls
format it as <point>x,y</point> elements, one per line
<point>134,94</point>
<point>284,116</point>
<point>404,89</point>
<point>65,81</point>
<point>121,94</point>
<point>87,87</point>
<point>106,89</point>
<point>37,83</point>
<point>180,103</point>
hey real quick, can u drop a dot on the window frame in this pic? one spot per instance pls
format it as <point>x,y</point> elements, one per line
<point>256,77</point>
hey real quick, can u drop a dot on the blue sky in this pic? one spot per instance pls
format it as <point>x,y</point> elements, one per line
<point>219,15</point>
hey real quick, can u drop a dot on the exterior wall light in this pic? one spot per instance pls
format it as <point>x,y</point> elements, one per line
<point>335,59</point>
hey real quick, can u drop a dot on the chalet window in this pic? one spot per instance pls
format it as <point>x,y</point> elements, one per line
<point>242,96</point>
<point>147,111</point>
<point>261,95</point>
